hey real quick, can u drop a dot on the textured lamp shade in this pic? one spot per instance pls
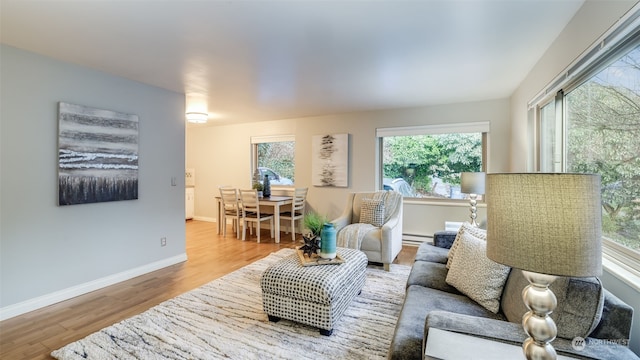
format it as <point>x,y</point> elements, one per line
<point>545,223</point>
<point>472,182</point>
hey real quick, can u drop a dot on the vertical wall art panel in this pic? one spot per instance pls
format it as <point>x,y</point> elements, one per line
<point>97,155</point>
<point>330,160</point>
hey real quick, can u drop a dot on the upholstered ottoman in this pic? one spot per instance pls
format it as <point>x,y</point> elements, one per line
<point>313,295</point>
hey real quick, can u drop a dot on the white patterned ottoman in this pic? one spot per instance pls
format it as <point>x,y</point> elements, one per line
<point>313,295</point>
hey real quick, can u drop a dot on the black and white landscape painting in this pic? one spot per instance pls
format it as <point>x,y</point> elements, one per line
<point>330,160</point>
<point>97,155</point>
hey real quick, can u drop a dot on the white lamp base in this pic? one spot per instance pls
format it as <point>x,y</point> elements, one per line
<point>541,329</point>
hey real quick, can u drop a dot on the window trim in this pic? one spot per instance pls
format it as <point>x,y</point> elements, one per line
<point>624,35</point>
<point>470,127</point>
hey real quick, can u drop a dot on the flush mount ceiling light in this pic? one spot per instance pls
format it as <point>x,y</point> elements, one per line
<point>197,117</point>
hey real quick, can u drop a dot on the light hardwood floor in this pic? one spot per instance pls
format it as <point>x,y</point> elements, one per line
<point>34,335</point>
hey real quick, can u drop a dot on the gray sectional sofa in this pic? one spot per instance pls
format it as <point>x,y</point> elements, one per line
<point>431,302</point>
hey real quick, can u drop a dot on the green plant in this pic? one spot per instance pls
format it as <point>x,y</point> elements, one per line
<point>258,186</point>
<point>314,222</point>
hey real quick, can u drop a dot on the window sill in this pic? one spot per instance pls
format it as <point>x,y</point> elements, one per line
<point>619,271</point>
<point>444,202</point>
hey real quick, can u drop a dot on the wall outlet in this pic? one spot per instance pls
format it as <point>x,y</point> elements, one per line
<point>163,241</point>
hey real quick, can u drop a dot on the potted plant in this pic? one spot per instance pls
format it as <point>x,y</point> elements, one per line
<point>258,186</point>
<point>314,223</point>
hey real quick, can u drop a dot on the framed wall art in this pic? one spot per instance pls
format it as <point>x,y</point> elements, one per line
<point>330,163</point>
<point>97,155</point>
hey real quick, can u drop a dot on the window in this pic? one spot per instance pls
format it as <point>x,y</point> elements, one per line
<point>592,125</point>
<point>273,156</point>
<point>426,161</point>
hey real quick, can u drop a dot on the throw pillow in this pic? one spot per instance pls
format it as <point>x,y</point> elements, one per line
<point>471,230</point>
<point>372,212</point>
<point>475,275</point>
<point>579,309</point>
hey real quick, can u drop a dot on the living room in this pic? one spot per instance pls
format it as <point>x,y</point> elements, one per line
<point>52,253</point>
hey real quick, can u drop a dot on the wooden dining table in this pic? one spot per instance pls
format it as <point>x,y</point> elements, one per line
<point>275,201</point>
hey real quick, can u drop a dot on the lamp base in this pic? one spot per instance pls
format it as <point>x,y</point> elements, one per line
<point>473,201</point>
<point>541,328</point>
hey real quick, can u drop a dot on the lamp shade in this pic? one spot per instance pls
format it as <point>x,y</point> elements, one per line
<point>472,183</point>
<point>545,223</point>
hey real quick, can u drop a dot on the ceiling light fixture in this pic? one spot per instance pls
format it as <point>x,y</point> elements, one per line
<point>197,117</point>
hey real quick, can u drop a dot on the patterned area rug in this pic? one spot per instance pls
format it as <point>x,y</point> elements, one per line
<point>224,319</point>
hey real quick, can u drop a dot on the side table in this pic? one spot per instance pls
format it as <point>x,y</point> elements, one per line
<point>443,344</point>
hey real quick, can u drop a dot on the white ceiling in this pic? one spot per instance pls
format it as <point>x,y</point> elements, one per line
<point>260,60</point>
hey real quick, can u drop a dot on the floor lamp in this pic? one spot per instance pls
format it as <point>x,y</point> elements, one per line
<point>472,183</point>
<point>547,225</point>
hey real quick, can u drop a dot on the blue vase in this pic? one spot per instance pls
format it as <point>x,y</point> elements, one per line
<point>328,241</point>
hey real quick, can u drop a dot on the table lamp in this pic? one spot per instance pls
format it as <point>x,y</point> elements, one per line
<point>547,225</point>
<point>472,183</point>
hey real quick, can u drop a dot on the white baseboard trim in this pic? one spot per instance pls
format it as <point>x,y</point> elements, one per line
<point>26,306</point>
<point>204,218</point>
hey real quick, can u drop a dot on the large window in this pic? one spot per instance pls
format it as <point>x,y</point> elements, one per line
<point>274,156</point>
<point>426,161</point>
<point>592,125</point>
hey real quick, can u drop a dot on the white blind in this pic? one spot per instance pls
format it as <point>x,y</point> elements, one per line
<point>272,138</point>
<point>470,127</point>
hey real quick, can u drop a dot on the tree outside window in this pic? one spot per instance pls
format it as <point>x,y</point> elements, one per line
<point>603,137</point>
<point>429,166</point>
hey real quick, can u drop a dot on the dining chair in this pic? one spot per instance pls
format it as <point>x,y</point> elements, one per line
<point>251,213</point>
<point>231,208</point>
<point>297,210</point>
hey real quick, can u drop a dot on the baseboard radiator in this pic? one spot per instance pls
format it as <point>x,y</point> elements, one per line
<point>416,239</point>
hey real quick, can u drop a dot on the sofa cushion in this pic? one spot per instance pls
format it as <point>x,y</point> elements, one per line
<point>420,301</point>
<point>466,228</point>
<point>579,309</point>
<point>430,274</point>
<point>475,275</point>
<point>372,212</point>
<point>428,252</point>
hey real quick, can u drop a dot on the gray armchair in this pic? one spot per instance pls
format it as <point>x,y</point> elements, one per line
<point>382,243</point>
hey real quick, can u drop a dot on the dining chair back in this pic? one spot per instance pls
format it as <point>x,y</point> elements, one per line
<point>230,209</point>
<point>251,213</point>
<point>297,210</point>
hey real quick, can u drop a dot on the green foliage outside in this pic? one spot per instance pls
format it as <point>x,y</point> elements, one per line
<point>420,158</point>
<point>279,157</point>
<point>604,138</point>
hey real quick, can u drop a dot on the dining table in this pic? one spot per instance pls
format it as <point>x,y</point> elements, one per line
<point>274,201</point>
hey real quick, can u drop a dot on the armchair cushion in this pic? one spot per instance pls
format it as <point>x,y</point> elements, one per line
<point>372,212</point>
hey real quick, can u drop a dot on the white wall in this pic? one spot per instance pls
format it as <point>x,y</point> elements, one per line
<point>48,252</point>
<point>591,21</point>
<point>221,156</point>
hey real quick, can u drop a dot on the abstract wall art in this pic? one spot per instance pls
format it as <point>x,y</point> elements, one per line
<point>330,163</point>
<point>97,155</point>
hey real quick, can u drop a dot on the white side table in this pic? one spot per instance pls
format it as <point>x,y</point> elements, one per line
<point>449,345</point>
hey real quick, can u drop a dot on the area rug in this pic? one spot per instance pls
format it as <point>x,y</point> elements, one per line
<point>225,319</point>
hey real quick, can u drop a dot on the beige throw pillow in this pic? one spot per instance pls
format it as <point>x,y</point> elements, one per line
<point>469,229</point>
<point>475,275</point>
<point>372,212</point>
